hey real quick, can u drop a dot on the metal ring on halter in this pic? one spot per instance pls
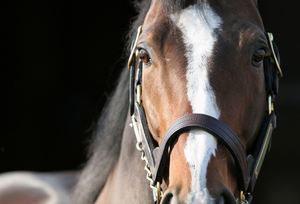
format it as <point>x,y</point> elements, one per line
<point>139,146</point>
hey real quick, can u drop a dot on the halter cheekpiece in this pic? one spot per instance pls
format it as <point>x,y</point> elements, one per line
<point>156,157</point>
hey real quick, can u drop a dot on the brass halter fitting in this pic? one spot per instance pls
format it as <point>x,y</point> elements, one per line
<point>271,38</point>
<point>138,87</point>
<point>134,46</point>
<point>241,199</point>
<point>158,193</point>
<point>270,104</point>
<point>138,94</point>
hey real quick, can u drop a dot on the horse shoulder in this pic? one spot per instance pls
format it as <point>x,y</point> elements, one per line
<point>32,187</point>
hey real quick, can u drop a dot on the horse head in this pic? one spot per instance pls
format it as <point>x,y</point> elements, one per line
<point>207,58</point>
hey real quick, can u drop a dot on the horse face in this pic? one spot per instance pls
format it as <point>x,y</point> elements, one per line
<point>203,58</point>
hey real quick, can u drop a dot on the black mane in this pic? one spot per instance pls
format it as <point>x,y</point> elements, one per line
<point>105,146</point>
<point>106,138</point>
<point>142,8</point>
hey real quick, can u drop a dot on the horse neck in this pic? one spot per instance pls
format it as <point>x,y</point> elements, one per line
<point>128,178</point>
<point>106,145</point>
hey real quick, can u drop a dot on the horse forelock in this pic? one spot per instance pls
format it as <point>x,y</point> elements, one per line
<point>142,8</point>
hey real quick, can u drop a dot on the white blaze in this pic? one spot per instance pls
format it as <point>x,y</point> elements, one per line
<point>198,28</point>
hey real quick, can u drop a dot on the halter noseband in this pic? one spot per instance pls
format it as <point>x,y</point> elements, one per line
<point>248,166</point>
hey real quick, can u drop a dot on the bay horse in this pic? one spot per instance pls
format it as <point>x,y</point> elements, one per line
<point>202,78</point>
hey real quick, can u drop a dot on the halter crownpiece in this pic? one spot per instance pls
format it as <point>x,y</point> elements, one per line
<point>247,166</point>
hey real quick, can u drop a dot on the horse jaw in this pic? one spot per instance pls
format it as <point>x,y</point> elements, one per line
<point>198,28</point>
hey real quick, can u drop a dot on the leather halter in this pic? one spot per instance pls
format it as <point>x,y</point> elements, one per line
<point>247,166</point>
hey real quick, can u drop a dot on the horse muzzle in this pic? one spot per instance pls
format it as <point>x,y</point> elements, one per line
<point>171,197</point>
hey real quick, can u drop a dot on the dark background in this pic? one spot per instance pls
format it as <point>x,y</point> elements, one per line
<point>58,61</point>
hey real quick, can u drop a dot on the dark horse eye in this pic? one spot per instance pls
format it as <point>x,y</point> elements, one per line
<point>144,56</point>
<point>258,56</point>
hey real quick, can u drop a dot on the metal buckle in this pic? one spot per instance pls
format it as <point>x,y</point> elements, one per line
<point>241,199</point>
<point>270,104</point>
<point>271,38</point>
<point>158,193</point>
<point>134,46</point>
<point>138,94</point>
<point>137,133</point>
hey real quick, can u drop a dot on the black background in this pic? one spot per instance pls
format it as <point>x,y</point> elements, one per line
<point>58,62</point>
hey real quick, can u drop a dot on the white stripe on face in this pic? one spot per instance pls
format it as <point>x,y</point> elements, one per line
<point>197,27</point>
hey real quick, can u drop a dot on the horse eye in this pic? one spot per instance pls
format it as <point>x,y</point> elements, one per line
<point>144,56</point>
<point>258,56</point>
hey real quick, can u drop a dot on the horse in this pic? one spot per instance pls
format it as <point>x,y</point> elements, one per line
<point>196,102</point>
<point>189,122</point>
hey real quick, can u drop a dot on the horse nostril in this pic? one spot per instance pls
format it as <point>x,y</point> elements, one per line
<point>226,198</point>
<point>221,200</point>
<point>169,198</point>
